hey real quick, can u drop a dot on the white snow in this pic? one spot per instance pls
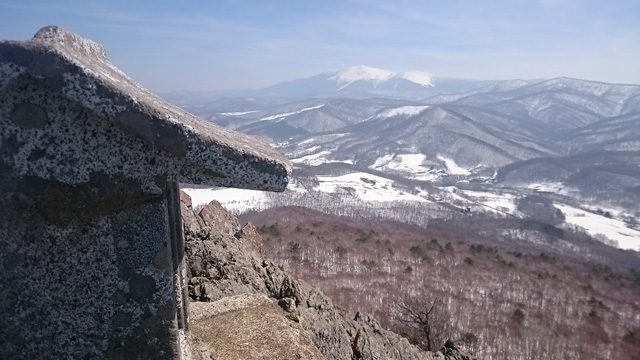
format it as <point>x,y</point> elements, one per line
<point>365,186</point>
<point>411,161</point>
<point>381,161</point>
<point>419,77</point>
<point>453,194</point>
<point>453,167</point>
<point>237,113</point>
<point>308,141</point>
<point>313,159</point>
<point>361,72</point>
<point>402,110</point>
<point>596,224</point>
<point>279,116</point>
<point>411,164</point>
<point>493,201</point>
<point>553,187</point>
<point>231,199</point>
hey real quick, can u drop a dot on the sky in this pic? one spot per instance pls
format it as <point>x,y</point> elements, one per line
<point>225,44</point>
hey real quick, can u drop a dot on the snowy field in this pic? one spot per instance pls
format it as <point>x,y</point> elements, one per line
<point>368,187</point>
<point>365,186</point>
<point>552,187</point>
<point>597,224</point>
<point>283,115</point>
<point>493,201</point>
<point>453,167</point>
<point>402,110</point>
<point>234,200</point>
<point>409,164</point>
<point>318,158</point>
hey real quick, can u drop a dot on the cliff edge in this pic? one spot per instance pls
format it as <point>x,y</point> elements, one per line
<point>244,306</point>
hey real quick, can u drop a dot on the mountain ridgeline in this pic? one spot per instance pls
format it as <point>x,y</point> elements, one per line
<point>583,136</point>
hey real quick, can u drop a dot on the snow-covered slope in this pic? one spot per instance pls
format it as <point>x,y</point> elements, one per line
<point>377,77</point>
<point>594,224</point>
<point>419,77</point>
<point>349,75</point>
<point>402,110</point>
<point>410,165</point>
<point>366,187</point>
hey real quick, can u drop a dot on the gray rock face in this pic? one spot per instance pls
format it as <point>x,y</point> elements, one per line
<point>91,246</point>
<point>373,342</point>
<point>223,262</point>
<point>71,114</point>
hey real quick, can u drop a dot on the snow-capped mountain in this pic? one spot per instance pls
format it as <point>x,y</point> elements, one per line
<point>355,82</point>
<point>361,73</point>
<point>358,82</point>
<point>378,77</point>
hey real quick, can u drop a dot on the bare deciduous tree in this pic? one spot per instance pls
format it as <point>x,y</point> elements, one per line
<point>425,321</point>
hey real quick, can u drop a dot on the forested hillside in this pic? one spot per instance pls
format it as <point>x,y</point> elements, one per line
<point>506,299</point>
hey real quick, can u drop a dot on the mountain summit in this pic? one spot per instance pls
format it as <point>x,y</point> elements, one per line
<point>359,81</point>
<point>377,76</point>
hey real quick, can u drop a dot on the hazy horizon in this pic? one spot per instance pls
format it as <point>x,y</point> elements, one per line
<point>167,46</point>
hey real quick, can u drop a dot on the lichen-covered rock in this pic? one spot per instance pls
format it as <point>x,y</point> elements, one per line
<point>91,258</point>
<point>223,264</point>
<point>67,114</point>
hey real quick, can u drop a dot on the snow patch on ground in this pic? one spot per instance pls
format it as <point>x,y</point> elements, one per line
<point>454,194</point>
<point>419,77</point>
<point>410,164</point>
<point>381,161</point>
<point>365,186</point>
<point>553,187</point>
<point>453,168</point>
<point>596,224</point>
<point>233,200</point>
<point>493,201</point>
<point>313,159</point>
<point>308,141</point>
<point>308,157</point>
<point>237,113</point>
<point>402,110</point>
<point>283,115</point>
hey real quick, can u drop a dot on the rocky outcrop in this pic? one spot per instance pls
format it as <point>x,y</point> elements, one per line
<point>90,163</point>
<point>240,292</point>
<point>451,352</point>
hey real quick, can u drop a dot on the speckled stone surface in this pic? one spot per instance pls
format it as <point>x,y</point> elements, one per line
<point>67,112</point>
<point>91,242</point>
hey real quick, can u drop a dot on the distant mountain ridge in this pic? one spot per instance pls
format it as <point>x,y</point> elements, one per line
<point>522,131</point>
<point>357,82</point>
<point>362,82</point>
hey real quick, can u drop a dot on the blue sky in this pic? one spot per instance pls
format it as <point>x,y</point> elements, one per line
<point>223,44</point>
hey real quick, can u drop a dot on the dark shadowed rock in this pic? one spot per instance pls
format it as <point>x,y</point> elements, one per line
<point>451,352</point>
<point>373,342</point>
